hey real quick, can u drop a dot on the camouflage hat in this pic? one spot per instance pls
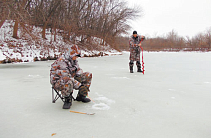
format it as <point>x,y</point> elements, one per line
<point>73,51</point>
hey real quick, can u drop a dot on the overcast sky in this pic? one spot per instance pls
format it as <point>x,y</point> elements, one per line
<point>186,17</point>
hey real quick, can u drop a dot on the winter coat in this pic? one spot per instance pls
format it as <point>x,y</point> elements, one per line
<point>64,69</point>
<point>134,48</point>
<point>134,41</point>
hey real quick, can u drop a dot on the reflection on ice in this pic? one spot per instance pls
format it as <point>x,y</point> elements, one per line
<point>15,66</point>
<point>172,90</point>
<point>120,78</point>
<point>31,78</point>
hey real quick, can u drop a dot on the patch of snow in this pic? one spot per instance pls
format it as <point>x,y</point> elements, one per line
<point>104,100</point>
<point>101,106</point>
<point>27,49</point>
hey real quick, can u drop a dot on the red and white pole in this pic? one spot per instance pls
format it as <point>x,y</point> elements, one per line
<point>142,59</point>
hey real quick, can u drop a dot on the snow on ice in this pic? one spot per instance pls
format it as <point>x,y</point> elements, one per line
<point>171,100</point>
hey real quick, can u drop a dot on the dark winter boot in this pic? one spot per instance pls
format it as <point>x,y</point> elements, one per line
<point>131,67</point>
<point>67,102</point>
<point>139,70</point>
<point>138,66</point>
<point>83,91</point>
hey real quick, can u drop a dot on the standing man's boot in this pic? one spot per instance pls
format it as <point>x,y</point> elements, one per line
<point>138,66</point>
<point>67,102</point>
<point>83,91</point>
<point>131,67</point>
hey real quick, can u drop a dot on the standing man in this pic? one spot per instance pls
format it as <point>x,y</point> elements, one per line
<point>135,43</point>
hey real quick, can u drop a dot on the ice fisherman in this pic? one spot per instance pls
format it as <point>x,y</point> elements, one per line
<point>66,75</point>
<point>135,43</point>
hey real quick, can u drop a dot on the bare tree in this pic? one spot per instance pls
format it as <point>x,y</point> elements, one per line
<point>208,38</point>
<point>84,19</point>
<point>3,11</point>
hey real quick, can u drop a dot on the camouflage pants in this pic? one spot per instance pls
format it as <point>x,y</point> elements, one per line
<point>85,79</point>
<point>135,54</point>
<point>66,86</point>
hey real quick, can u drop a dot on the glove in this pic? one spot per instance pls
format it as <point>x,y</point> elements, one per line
<point>142,38</point>
<point>136,45</point>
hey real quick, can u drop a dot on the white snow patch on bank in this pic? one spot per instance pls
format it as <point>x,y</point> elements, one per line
<point>2,57</point>
<point>26,49</point>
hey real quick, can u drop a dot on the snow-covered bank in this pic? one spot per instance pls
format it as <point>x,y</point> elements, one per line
<point>172,99</point>
<point>31,47</point>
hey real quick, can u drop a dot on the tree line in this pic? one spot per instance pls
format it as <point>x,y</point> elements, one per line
<point>173,42</point>
<point>81,21</point>
<point>73,19</point>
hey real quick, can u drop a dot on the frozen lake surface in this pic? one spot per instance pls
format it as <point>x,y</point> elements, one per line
<point>171,100</point>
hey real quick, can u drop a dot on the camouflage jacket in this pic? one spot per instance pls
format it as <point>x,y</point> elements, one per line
<point>133,42</point>
<point>65,67</point>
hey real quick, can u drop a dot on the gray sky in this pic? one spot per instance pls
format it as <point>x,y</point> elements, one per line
<point>186,17</point>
